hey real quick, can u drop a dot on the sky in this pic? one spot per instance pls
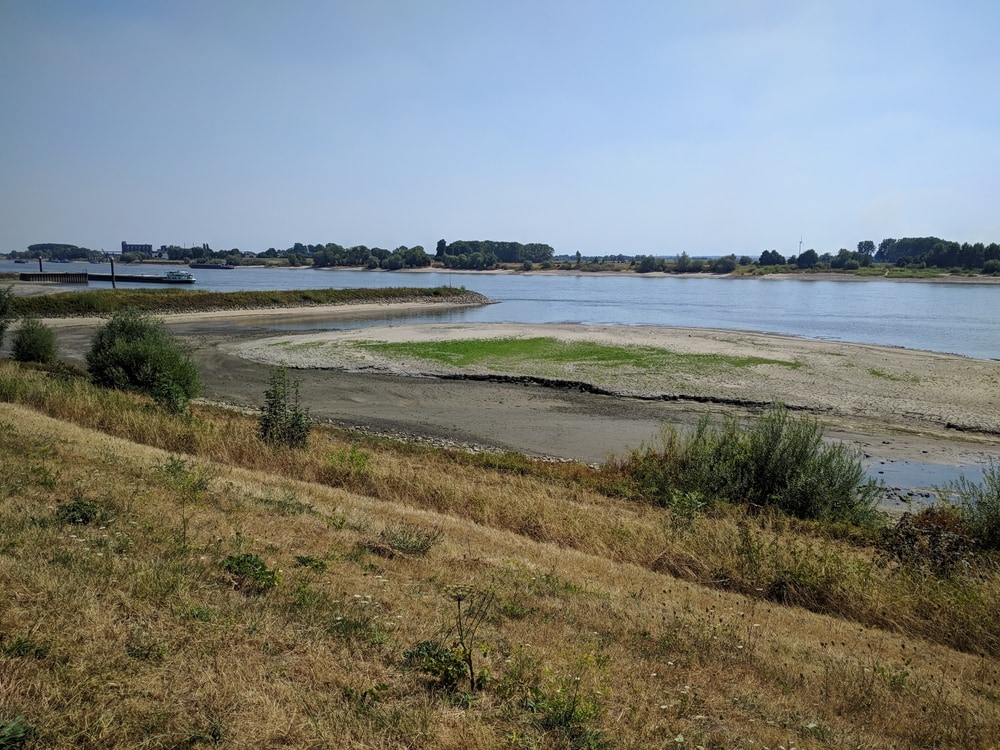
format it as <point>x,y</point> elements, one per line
<point>621,126</point>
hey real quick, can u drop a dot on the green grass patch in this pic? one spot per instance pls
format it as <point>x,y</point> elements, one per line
<point>894,378</point>
<point>546,353</point>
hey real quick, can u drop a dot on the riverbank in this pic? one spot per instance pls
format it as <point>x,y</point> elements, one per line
<point>895,405</point>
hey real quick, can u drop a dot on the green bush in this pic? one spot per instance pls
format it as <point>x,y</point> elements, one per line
<point>283,421</point>
<point>134,351</point>
<point>34,342</point>
<point>778,460</point>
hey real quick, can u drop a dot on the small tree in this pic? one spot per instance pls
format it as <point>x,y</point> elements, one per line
<point>34,342</point>
<point>283,421</point>
<point>134,351</point>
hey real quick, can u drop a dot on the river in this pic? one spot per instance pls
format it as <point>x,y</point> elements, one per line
<point>954,318</point>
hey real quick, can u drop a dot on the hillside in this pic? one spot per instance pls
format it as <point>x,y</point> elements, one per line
<point>171,582</point>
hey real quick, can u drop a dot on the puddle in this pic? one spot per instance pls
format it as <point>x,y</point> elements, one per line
<point>909,482</point>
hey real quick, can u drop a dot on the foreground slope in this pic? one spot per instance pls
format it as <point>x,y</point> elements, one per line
<point>124,624</point>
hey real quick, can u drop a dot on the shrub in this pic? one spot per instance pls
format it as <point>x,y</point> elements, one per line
<point>134,351</point>
<point>283,421</point>
<point>34,342</point>
<point>979,505</point>
<point>991,266</point>
<point>778,461</point>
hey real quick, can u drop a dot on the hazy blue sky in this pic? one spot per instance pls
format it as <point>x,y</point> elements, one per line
<point>706,126</point>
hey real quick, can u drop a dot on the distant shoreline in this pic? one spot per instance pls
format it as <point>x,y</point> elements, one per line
<point>11,276</point>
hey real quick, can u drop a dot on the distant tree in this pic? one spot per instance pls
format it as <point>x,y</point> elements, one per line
<point>648,264</point>
<point>771,258</point>
<point>683,264</point>
<point>746,260</point>
<point>884,247</point>
<point>807,259</point>
<point>725,264</point>
<point>442,247</point>
<point>866,247</point>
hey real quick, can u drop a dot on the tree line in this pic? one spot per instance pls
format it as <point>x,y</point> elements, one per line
<point>911,252</point>
<point>933,252</point>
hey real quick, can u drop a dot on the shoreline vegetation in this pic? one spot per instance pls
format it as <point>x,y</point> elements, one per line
<point>911,257</point>
<point>174,580</point>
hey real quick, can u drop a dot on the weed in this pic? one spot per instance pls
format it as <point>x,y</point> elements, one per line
<point>567,712</point>
<point>286,505</point>
<point>893,378</point>
<point>142,647</point>
<point>283,420</point>
<point>438,661</point>
<point>312,563</point>
<point>358,619</point>
<point>15,733</point>
<point>23,646</point>
<point>81,512</point>
<point>250,574</point>
<point>410,539</point>
<point>352,460</point>
<point>366,697</point>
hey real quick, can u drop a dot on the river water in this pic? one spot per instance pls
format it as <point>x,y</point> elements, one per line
<point>955,318</point>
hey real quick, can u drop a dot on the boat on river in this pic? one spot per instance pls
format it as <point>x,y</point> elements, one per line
<point>170,277</point>
<point>218,266</point>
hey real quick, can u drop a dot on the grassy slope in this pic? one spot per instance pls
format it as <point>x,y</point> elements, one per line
<point>127,630</point>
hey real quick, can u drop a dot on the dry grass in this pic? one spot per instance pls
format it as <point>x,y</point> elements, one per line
<point>128,632</point>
